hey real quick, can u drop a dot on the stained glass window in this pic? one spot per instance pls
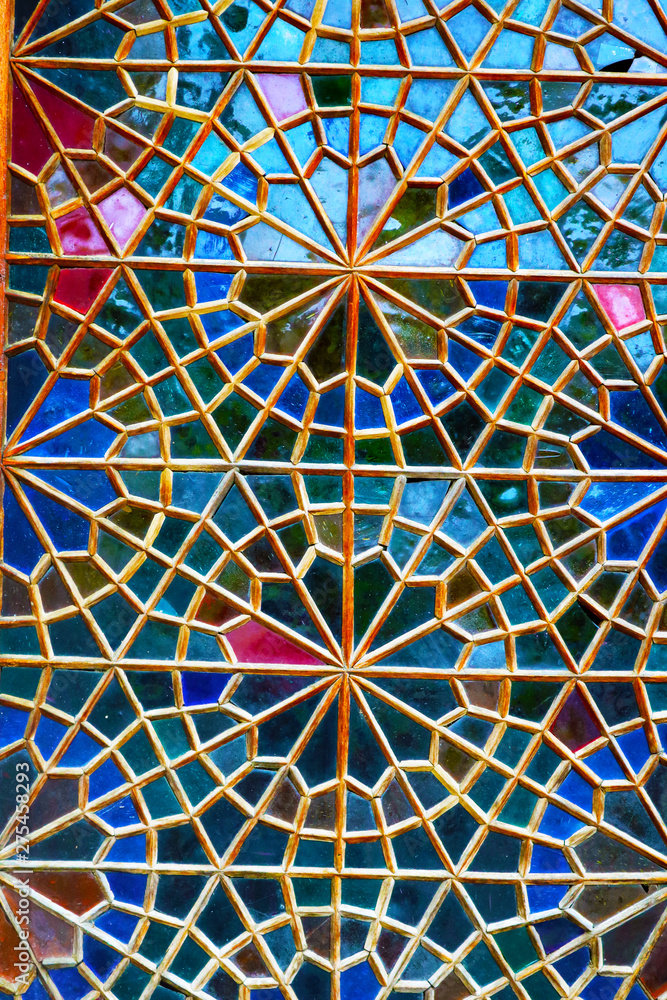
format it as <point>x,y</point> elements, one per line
<point>333,630</point>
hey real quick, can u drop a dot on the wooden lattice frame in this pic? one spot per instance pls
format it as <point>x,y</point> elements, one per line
<point>318,667</point>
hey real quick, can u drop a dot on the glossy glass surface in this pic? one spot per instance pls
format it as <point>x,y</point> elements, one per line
<point>334,567</point>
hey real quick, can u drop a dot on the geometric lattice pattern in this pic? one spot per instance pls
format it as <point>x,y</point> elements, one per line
<point>333,631</point>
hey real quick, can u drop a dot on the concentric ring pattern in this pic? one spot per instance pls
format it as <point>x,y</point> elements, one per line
<point>334,574</point>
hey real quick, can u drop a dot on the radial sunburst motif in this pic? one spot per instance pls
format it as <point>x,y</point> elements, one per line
<point>334,570</point>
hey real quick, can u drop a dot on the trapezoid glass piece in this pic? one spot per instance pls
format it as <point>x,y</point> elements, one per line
<point>333,630</point>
